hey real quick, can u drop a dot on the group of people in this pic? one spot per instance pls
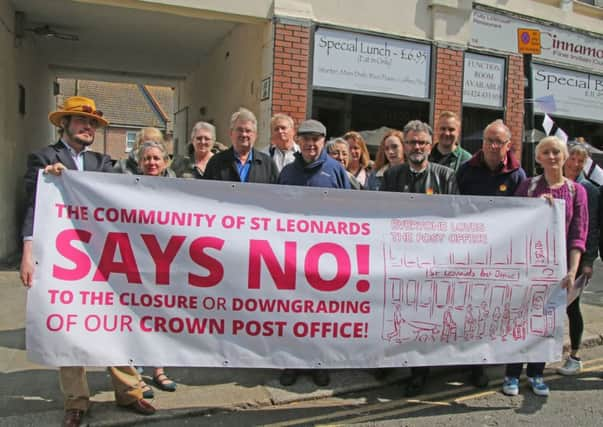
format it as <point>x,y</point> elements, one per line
<point>406,161</point>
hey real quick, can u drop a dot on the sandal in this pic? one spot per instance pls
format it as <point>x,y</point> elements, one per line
<point>147,391</point>
<point>164,382</point>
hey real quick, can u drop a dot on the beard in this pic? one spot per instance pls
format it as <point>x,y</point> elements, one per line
<point>73,137</point>
<point>416,158</point>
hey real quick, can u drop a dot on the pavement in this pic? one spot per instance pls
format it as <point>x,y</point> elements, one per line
<point>30,395</point>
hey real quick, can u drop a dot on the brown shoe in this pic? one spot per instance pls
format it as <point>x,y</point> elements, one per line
<point>73,418</point>
<point>141,407</point>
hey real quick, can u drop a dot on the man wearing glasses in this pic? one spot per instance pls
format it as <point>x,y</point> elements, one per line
<point>77,121</point>
<point>418,174</point>
<point>493,170</point>
<point>242,162</point>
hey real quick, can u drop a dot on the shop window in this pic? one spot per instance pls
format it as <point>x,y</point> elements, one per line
<point>130,141</point>
<point>475,121</point>
<point>342,112</point>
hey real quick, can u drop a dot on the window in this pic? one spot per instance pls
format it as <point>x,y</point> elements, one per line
<point>130,141</point>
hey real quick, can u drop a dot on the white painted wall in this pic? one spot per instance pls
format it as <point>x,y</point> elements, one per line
<point>19,134</point>
<point>228,78</point>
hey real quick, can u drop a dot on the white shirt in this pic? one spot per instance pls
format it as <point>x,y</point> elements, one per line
<point>282,158</point>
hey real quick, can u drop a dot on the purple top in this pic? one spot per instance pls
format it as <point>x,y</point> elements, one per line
<point>576,210</point>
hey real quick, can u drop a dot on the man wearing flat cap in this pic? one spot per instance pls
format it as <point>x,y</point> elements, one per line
<point>77,121</point>
<point>312,166</point>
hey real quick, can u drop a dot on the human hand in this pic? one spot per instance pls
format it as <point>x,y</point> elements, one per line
<point>587,271</point>
<point>568,281</point>
<point>549,198</point>
<point>27,265</point>
<point>55,169</point>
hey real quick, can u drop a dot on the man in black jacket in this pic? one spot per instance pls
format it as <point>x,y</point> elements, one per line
<point>419,175</point>
<point>242,162</point>
<point>77,121</point>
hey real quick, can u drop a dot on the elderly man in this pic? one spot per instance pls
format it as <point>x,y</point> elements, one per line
<point>282,143</point>
<point>242,162</point>
<point>492,171</point>
<point>448,151</point>
<point>419,175</point>
<point>77,121</point>
<point>312,168</point>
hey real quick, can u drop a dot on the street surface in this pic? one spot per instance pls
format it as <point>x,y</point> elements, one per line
<point>447,402</point>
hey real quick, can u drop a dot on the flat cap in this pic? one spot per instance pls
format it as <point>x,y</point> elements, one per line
<point>312,127</point>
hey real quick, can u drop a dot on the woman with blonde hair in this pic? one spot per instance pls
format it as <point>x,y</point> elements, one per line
<point>129,165</point>
<point>390,153</point>
<point>551,154</point>
<point>152,159</point>
<point>360,160</point>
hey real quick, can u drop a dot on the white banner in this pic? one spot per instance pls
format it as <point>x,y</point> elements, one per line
<point>577,95</point>
<point>360,62</point>
<point>169,272</point>
<point>484,80</point>
<point>492,30</point>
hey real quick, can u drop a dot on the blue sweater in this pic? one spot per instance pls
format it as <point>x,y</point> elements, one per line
<point>322,172</point>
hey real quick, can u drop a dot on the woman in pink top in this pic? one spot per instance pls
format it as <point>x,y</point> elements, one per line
<point>551,154</point>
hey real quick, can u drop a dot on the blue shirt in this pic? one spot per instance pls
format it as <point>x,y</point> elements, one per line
<point>78,158</point>
<point>243,169</point>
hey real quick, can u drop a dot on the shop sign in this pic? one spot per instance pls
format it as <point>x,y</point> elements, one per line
<point>491,30</point>
<point>361,62</point>
<point>577,95</point>
<point>484,79</point>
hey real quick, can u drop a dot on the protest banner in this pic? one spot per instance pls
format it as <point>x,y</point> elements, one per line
<point>170,272</point>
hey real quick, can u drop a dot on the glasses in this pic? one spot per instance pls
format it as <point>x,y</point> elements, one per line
<point>495,142</point>
<point>418,142</point>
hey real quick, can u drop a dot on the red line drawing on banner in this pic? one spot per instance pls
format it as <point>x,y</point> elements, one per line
<point>470,297</point>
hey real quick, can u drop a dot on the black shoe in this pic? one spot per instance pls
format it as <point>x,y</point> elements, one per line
<point>479,378</point>
<point>416,385</point>
<point>321,377</point>
<point>288,377</point>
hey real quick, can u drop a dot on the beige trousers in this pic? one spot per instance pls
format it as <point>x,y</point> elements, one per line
<point>76,393</point>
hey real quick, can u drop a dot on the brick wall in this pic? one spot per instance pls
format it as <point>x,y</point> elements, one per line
<point>116,143</point>
<point>291,70</point>
<point>449,81</point>
<point>514,114</point>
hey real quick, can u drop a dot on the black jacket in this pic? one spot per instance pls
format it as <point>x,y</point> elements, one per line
<point>57,153</point>
<point>223,167</point>
<point>435,179</point>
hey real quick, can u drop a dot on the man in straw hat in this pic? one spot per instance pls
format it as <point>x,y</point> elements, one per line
<point>77,121</point>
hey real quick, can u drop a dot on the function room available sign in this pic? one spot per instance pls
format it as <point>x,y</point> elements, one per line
<point>490,30</point>
<point>361,62</point>
<point>577,95</point>
<point>484,78</point>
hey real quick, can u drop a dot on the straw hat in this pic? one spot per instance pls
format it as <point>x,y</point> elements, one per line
<point>77,106</point>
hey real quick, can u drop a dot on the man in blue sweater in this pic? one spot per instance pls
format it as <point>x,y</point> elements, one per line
<point>312,166</point>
